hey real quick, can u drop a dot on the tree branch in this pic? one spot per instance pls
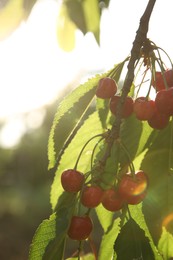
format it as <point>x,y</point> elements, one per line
<point>141,36</point>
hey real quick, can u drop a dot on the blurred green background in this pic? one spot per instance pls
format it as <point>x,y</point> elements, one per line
<point>24,189</point>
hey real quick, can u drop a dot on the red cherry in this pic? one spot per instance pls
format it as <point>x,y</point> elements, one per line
<point>144,109</point>
<point>106,88</point>
<point>72,180</point>
<point>159,120</point>
<point>112,201</point>
<point>127,108</point>
<point>91,196</point>
<point>164,101</point>
<point>159,81</point>
<point>80,227</point>
<point>133,189</point>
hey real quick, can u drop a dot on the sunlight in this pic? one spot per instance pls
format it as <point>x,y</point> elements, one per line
<point>34,70</point>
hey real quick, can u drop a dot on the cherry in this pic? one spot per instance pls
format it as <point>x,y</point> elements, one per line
<point>80,227</point>
<point>127,108</point>
<point>159,80</point>
<point>144,109</point>
<point>106,88</point>
<point>72,180</point>
<point>158,120</point>
<point>133,189</point>
<point>91,196</point>
<point>164,101</point>
<point>111,200</point>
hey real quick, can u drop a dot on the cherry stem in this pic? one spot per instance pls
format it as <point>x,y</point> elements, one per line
<point>93,151</point>
<point>131,165</point>
<point>83,148</point>
<point>93,247</point>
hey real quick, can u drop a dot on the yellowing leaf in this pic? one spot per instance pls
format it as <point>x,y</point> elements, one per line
<point>10,17</point>
<point>65,30</point>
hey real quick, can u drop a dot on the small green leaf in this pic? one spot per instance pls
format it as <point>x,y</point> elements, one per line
<point>49,240</point>
<point>137,214</point>
<point>92,17</point>
<point>75,7</point>
<point>132,243</point>
<point>165,244</point>
<point>106,247</point>
<point>105,217</point>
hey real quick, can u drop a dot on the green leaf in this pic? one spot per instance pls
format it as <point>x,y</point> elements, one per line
<point>90,128</point>
<point>132,243</point>
<point>44,234</point>
<point>75,7</point>
<point>65,30</point>
<point>49,240</point>
<point>105,217</point>
<point>165,244</point>
<point>106,247</point>
<point>158,206</point>
<point>92,17</point>
<point>68,116</point>
<point>11,15</point>
<point>138,216</point>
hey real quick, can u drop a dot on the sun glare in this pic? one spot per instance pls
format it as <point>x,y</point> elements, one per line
<point>34,70</point>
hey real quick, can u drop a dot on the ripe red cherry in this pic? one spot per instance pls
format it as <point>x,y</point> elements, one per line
<point>164,101</point>
<point>80,227</point>
<point>106,88</point>
<point>91,196</point>
<point>144,109</point>
<point>111,200</point>
<point>133,190</point>
<point>72,180</point>
<point>127,108</point>
<point>159,120</point>
<point>159,81</point>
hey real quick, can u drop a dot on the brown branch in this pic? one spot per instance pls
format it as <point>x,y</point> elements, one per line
<point>141,36</point>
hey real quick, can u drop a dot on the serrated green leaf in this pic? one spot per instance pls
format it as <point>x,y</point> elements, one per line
<point>68,116</point>
<point>138,216</point>
<point>90,128</point>
<point>106,247</point>
<point>165,244</point>
<point>44,234</point>
<point>49,240</point>
<point>132,243</point>
<point>105,217</point>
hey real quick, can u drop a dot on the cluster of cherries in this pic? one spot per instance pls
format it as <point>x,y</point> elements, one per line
<point>131,189</point>
<point>156,112</point>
